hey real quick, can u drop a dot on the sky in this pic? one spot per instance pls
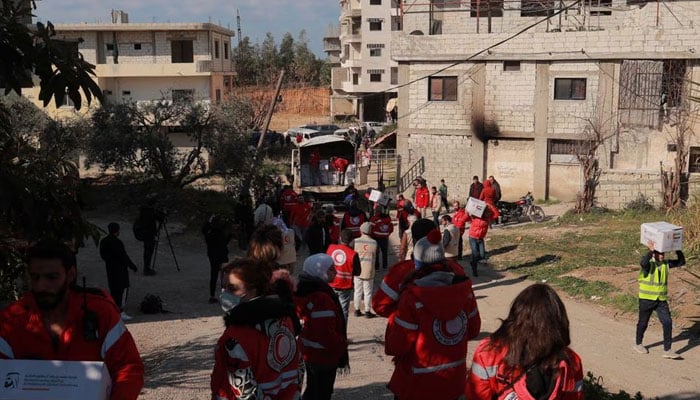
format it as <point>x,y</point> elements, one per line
<point>257,16</point>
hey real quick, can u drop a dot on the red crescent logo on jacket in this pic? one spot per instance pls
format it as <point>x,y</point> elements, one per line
<point>281,349</point>
<point>384,228</point>
<point>355,220</point>
<point>339,257</point>
<point>365,247</point>
<point>450,333</point>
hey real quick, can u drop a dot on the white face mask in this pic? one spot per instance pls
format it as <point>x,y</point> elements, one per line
<point>228,300</point>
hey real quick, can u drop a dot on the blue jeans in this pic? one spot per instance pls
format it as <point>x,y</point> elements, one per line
<point>478,253</point>
<point>344,296</point>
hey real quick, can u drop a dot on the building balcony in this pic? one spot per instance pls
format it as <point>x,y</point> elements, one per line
<point>198,68</point>
<point>348,12</point>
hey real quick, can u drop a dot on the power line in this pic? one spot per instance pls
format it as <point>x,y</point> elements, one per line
<point>509,38</point>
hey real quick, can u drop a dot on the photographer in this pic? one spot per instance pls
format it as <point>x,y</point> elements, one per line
<point>146,229</point>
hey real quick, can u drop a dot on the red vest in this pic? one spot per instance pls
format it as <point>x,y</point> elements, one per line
<point>353,223</point>
<point>381,227</point>
<point>342,259</point>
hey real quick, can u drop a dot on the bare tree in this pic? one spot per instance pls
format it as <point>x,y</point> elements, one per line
<point>674,180</point>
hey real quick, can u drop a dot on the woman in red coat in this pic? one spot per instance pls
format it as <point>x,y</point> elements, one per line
<point>323,334</point>
<point>528,357</point>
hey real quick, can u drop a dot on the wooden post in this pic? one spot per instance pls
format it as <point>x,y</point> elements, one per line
<point>268,118</point>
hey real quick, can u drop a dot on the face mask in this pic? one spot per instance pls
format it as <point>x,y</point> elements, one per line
<point>229,300</point>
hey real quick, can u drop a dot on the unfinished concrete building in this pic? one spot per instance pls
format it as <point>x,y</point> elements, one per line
<point>516,88</point>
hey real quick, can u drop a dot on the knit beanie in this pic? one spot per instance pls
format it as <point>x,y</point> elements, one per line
<point>428,250</point>
<point>263,215</point>
<point>421,228</point>
<point>365,228</point>
<point>317,266</point>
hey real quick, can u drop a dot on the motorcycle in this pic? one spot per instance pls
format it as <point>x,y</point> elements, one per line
<point>525,206</point>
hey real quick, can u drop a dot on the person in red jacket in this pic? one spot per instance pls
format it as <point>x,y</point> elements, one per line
<point>353,219</point>
<point>333,224</point>
<point>422,200</point>
<point>258,356</point>
<point>460,218</point>
<point>288,198</point>
<point>505,366</point>
<point>488,193</point>
<point>347,266</point>
<point>339,165</point>
<point>300,218</point>
<point>58,321</point>
<point>323,334</point>
<point>478,229</point>
<point>386,300</point>
<point>381,228</point>
<point>429,332</point>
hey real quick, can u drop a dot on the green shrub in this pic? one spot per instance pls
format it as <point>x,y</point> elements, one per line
<point>689,219</point>
<point>641,203</point>
<point>593,389</point>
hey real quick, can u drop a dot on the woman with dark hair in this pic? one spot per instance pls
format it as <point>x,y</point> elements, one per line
<point>528,356</point>
<point>258,355</point>
<point>266,244</point>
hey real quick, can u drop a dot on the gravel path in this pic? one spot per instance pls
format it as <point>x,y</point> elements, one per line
<point>177,347</point>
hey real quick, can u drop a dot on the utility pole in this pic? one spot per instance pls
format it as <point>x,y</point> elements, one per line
<point>238,23</point>
<point>268,118</point>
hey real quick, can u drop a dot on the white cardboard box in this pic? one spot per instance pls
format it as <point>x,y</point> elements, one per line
<point>666,237</point>
<point>475,207</point>
<point>45,380</point>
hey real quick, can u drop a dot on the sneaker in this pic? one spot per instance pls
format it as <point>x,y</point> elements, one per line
<point>670,354</point>
<point>213,300</point>
<point>126,317</point>
<point>369,314</point>
<point>358,313</point>
<point>640,349</point>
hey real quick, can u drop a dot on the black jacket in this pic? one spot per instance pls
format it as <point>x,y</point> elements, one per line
<point>116,260</point>
<point>318,238</point>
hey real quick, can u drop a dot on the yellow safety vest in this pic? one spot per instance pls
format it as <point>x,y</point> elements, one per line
<point>654,286</point>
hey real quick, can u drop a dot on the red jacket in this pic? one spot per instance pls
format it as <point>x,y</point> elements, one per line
<point>380,226</point>
<point>340,164</point>
<point>288,199</point>
<point>428,335</point>
<point>300,214</point>
<point>386,298</point>
<point>488,193</point>
<point>23,335</point>
<point>460,219</point>
<point>343,257</point>
<point>323,333</point>
<point>488,378</point>
<point>258,358</point>
<point>480,226</point>
<point>422,199</point>
<point>334,230</point>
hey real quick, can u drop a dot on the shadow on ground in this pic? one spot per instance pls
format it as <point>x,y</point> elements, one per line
<point>183,366</point>
<point>369,391</point>
<point>547,258</point>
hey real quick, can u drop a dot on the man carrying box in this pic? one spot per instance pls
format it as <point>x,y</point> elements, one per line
<point>58,321</point>
<point>653,289</point>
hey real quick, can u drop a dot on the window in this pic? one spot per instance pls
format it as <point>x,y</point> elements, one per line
<point>107,92</point>
<point>511,65</point>
<point>446,3</point>
<point>396,23</point>
<point>484,9</point>
<point>694,160</point>
<point>375,52</point>
<point>182,95</point>
<point>536,8</point>
<point>181,51</point>
<point>110,46</point>
<point>375,25</point>
<point>137,46</point>
<point>225,50</point>
<point>355,79</point>
<point>126,93</point>
<point>442,88</point>
<point>394,75</point>
<point>601,7</point>
<point>566,150</point>
<point>570,89</point>
<point>436,27</point>
<point>375,77</point>
<point>216,49</point>
<point>218,96</point>
<point>375,2</point>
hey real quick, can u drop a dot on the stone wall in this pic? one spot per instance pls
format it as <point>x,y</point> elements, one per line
<point>445,157</point>
<point>617,188</point>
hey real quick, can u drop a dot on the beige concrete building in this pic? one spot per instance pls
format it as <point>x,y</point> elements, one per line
<point>362,82</point>
<point>498,88</point>
<point>149,61</point>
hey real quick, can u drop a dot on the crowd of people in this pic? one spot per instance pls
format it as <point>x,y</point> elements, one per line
<point>285,331</point>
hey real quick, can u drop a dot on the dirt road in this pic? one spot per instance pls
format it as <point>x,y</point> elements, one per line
<point>177,347</point>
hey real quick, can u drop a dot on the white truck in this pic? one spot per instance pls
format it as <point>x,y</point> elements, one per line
<point>330,188</point>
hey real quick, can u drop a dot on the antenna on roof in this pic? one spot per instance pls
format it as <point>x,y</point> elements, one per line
<point>238,22</point>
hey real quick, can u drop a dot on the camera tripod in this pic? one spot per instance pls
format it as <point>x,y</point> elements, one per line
<point>163,226</point>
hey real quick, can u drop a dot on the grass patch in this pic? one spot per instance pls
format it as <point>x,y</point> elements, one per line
<point>626,303</point>
<point>583,288</point>
<point>547,202</point>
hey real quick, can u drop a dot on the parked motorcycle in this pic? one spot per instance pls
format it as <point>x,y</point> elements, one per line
<point>525,206</point>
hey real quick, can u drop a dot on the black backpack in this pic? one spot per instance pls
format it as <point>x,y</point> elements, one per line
<point>152,304</point>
